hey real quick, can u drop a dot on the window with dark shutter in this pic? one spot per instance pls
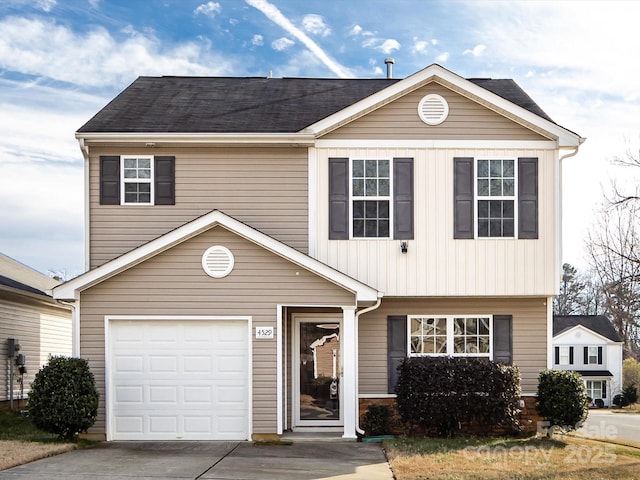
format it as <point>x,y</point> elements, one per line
<point>338,198</point>
<point>110,180</point>
<point>165,190</point>
<point>396,348</point>
<point>599,355</point>
<point>463,198</point>
<point>557,356</point>
<point>503,339</point>
<point>570,355</point>
<point>527,198</point>
<point>403,198</point>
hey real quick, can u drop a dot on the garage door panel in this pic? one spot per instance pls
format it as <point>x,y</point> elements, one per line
<point>179,380</point>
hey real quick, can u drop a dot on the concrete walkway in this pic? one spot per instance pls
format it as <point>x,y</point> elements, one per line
<point>211,461</point>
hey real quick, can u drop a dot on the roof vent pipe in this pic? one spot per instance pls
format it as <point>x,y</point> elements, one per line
<point>389,61</point>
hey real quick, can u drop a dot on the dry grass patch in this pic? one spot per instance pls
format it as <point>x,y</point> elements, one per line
<point>522,459</point>
<point>15,452</point>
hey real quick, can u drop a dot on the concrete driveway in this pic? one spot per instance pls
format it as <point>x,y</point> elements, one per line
<point>212,461</point>
<point>605,423</point>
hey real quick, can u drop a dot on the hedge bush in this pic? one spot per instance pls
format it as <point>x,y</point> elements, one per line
<point>443,395</point>
<point>562,399</point>
<point>64,398</point>
<point>630,392</point>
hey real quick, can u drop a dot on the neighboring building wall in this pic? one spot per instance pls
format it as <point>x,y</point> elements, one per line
<point>263,187</point>
<point>529,334</point>
<point>436,264</point>
<point>173,283</point>
<point>41,330</point>
<point>467,120</point>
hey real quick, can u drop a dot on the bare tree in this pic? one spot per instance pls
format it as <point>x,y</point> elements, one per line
<point>569,300</point>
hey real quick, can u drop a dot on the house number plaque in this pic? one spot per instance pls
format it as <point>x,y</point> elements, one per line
<point>264,332</point>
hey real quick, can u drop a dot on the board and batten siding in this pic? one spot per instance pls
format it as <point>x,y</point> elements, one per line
<point>467,120</point>
<point>529,334</point>
<point>263,187</point>
<point>436,264</point>
<point>41,330</point>
<point>174,283</point>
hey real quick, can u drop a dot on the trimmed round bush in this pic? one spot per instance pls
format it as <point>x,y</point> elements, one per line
<point>562,399</point>
<point>64,398</point>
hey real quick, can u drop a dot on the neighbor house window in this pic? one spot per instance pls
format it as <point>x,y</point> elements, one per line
<point>137,173</point>
<point>450,335</point>
<point>371,198</point>
<point>496,197</point>
<point>592,356</point>
<point>563,357</point>
<point>594,389</point>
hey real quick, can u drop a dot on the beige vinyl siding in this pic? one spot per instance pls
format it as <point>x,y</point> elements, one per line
<point>41,330</point>
<point>467,120</point>
<point>173,283</point>
<point>265,188</point>
<point>436,264</point>
<point>529,334</point>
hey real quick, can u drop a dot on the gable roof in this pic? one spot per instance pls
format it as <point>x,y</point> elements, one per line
<point>14,284</point>
<point>250,105</point>
<point>71,289</point>
<point>599,324</point>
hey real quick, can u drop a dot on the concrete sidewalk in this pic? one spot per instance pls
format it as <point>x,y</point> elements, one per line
<point>212,461</point>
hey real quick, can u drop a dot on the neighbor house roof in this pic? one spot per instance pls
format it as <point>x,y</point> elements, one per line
<point>14,284</point>
<point>599,324</point>
<point>248,105</point>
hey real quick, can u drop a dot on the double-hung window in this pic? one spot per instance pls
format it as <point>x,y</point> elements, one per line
<point>450,335</point>
<point>592,356</point>
<point>137,173</point>
<point>371,198</point>
<point>563,356</point>
<point>496,197</point>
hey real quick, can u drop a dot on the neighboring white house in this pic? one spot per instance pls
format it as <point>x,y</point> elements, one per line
<point>34,320</point>
<point>590,345</point>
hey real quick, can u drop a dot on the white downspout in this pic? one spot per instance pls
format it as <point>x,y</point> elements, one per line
<point>358,313</point>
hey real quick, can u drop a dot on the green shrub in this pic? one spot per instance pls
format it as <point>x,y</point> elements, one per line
<point>375,420</point>
<point>630,392</point>
<point>64,398</point>
<point>562,399</point>
<point>443,395</point>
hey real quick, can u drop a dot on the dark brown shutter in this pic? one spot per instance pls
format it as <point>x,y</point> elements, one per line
<point>396,348</point>
<point>586,355</point>
<point>502,339</point>
<point>110,180</point>
<point>463,198</point>
<point>599,355</point>
<point>338,198</point>
<point>403,198</point>
<point>604,389</point>
<point>570,355</point>
<point>527,198</point>
<point>557,355</point>
<point>165,180</point>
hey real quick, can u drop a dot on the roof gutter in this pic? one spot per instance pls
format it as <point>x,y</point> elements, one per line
<point>153,139</point>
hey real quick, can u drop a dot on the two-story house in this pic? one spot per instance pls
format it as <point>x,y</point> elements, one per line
<point>236,225</point>
<point>591,346</point>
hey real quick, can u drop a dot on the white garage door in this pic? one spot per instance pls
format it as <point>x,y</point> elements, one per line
<point>178,380</point>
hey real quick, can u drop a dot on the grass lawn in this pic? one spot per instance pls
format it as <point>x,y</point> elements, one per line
<point>21,442</point>
<point>564,458</point>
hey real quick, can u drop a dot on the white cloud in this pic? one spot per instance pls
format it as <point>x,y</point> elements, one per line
<point>419,46</point>
<point>208,9</point>
<point>257,40</point>
<point>355,30</point>
<point>315,25</point>
<point>477,51</point>
<point>45,5</point>
<point>443,57</point>
<point>273,14</point>
<point>282,44</point>
<point>44,48</point>
<point>94,3</point>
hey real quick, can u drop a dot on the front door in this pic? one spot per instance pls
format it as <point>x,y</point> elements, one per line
<point>317,371</point>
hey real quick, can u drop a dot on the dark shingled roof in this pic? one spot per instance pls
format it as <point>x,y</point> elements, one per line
<point>9,282</point>
<point>248,105</point>
<point>597,323</point>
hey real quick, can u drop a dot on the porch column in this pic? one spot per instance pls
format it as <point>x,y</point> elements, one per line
<point>349,365</point>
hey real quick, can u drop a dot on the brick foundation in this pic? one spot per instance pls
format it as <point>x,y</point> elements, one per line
<point>528,419</point>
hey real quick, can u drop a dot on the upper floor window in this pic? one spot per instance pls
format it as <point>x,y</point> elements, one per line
<point>371,198</point>
<point>565,355</point>
<point>496,194</point>
<point>137,180</point>
<point>137,173</point>
<point>450,335</point>
<point>593,355</point>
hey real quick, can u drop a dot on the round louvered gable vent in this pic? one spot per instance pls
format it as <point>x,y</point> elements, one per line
<point>433,109</point>
<point>217,261</point>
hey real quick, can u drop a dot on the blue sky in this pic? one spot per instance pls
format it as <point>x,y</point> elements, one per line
<point>63,60</point>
